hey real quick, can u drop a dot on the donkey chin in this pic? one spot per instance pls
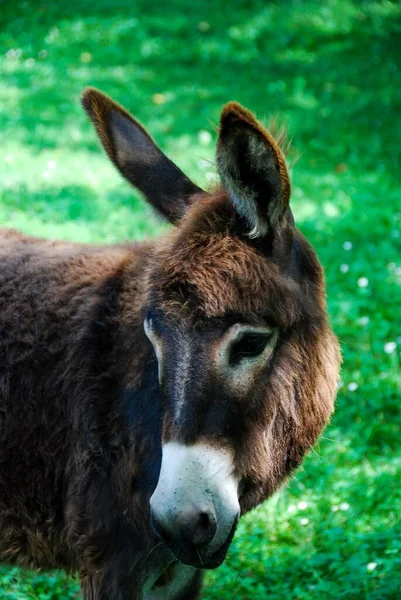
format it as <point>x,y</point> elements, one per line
<point>195,507</point>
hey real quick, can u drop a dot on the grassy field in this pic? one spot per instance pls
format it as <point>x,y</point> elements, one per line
<point>332,70</point>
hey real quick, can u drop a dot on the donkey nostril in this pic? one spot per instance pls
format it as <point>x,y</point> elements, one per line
<point>203,529</point>
<point>193,527</point>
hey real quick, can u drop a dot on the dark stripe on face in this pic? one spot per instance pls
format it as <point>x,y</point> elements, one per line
<point>143,415</point>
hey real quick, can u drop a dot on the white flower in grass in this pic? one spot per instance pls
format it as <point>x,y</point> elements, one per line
<point>371,566</point>
<point>363,321</point>
<point>344,506</point>
<point>205,137</point>
<point>347,245</point>
<point>353,386</point>
<point>210,176</point>
<point>14,53</point>
<point>203,164</point>
<point>304,521</point>
<point>344,268</point>
<point>302,505</point>
<point>390,347</point>
<point>292,509</point>
<point>335,508</point>
<point>363,282</point>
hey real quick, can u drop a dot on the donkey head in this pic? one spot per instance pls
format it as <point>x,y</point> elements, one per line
<point>235,311</point>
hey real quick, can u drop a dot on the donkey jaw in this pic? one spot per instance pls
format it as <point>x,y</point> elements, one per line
<point>195,507</point>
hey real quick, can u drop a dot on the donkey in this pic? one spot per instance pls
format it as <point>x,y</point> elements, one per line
<point>151,394</point>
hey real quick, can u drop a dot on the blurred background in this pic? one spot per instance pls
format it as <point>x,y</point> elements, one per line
<point>331,70</point>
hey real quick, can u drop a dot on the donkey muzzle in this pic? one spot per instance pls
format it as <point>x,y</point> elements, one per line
<point>195,507</point>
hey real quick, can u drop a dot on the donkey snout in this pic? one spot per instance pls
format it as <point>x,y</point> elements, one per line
<point>199,526</point>
<point>195,527</point>
<point>195,506</point>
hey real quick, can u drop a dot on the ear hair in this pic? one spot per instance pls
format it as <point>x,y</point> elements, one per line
<point>253,170</point>
<point>132,150</point>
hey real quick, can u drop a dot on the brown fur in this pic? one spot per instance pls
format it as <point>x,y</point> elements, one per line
<point>82,414</point>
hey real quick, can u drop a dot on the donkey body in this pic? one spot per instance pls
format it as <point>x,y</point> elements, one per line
<point>151,394</point>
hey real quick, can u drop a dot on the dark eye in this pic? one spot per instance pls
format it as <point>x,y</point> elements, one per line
<point>250,345</point>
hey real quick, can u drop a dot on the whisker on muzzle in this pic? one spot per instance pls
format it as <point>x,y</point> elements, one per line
<point>200,558</point>
<point>153,549</point>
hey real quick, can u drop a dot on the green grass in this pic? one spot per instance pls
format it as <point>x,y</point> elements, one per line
<point>332,70</point>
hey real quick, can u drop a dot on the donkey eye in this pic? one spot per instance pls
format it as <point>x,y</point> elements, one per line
<point>250,345</point>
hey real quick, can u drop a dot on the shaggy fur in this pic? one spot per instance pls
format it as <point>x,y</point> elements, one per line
<point>82,413</point>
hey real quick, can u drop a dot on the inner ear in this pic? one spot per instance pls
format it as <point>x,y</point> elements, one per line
<point>252,168</point>
<point>137,157</point>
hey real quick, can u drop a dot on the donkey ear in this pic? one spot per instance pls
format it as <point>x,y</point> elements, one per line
<point>137,157</point>
<point>253,170</point>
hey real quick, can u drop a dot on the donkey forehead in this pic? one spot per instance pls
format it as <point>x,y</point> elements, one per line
<point>218,274</point>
